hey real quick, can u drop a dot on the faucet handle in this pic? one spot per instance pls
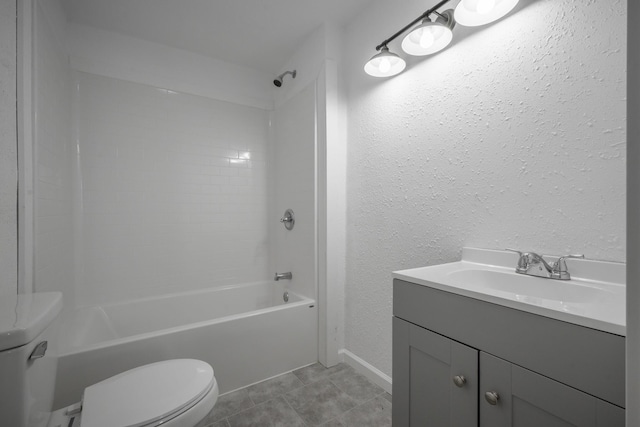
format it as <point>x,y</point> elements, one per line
<point>560,267</point>
<point>571,256</point>
<point>523,261</point>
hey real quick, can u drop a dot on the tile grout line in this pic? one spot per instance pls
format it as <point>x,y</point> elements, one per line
<point>357,406</point>
<point>294,410</point>
<point>298,386</point>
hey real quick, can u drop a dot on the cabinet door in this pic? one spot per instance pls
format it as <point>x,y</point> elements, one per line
<point>425,365</point>
<point>527,399</point>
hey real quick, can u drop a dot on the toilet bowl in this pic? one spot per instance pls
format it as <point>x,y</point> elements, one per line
<point>175,392</point>
<point>170,393</point>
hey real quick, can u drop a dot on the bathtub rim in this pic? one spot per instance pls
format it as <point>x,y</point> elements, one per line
<point>67,349</point>
<point>186,293</point>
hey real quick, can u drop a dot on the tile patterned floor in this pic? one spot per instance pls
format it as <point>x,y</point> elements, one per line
<point>310,396</point>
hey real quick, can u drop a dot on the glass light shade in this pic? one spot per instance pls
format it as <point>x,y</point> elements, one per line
<point>429,37</point>
<point>473,13</point>
<point>385,64</point>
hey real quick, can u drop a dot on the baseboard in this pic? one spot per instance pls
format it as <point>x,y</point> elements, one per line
<point>363,367</point>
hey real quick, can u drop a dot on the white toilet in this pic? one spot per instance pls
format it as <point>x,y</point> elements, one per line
<point>172,393</point>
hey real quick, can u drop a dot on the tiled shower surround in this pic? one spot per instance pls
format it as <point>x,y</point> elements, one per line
<point>171,190</point>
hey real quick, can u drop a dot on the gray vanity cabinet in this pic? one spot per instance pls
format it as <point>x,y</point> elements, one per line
<point>424,391</point>
<point>543,372</point>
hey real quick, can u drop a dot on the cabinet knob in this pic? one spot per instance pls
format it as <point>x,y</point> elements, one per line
<point>492,397</point>
<point>459,380</point>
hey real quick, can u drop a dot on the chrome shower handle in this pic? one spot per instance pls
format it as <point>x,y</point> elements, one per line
<point>288,219</point>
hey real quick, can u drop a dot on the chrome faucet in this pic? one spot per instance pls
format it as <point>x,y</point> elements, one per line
<point>533,264</point>
<point>282,276</point>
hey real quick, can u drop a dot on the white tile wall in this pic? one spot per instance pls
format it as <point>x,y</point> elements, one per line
<point>53,230</point>
<point>295,180</point>
<point>174,190</point>
<point>8,152</point>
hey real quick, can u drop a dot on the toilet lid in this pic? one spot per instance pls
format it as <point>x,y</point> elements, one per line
<point>147,395</point>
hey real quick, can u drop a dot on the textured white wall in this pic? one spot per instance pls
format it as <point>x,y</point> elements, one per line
<point>8,150</point>
<point>174,191</point>
<point>512,137</point>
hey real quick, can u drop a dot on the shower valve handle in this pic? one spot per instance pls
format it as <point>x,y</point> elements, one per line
<point>288,219</point>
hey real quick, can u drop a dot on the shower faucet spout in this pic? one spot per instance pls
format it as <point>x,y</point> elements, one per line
<point>282,276</point>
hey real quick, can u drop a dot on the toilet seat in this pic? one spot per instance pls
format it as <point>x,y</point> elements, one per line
<point>149,395</point>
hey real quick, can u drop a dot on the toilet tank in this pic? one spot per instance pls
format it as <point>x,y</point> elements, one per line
<point>27,371</point>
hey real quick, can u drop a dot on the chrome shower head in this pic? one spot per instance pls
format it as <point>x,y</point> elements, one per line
<point>278,80</point>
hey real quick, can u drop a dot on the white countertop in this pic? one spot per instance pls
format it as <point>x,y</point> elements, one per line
<point>594,297</point>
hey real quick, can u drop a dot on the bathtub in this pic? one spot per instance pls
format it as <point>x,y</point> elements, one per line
<point>248,333</point>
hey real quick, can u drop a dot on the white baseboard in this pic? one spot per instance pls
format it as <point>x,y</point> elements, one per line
<point>363,367</point>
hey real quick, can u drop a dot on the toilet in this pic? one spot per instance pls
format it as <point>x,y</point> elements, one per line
<point>170,393</point>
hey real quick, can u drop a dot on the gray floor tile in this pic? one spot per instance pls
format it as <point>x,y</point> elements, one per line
<point>274,387</point>
<point>319,402</point>
<point>356,385</point>
<point>333,423</point>
<point>317,371</point>
<point>230,404</point>
<point>333,397</point>
<point>374,413</point>
<point>272,413</point>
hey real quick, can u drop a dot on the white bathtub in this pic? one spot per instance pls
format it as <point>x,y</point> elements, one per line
<point>247,333</point>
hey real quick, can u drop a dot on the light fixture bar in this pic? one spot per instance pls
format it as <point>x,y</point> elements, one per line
<point>412,23</point>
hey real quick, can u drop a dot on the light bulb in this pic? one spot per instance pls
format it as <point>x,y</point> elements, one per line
<point>485,6</point>
<point>426,39</point>
<point>430,36</point>
<point>385,65</point>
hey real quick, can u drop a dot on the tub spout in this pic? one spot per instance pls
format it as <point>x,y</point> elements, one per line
<point>281,276</point>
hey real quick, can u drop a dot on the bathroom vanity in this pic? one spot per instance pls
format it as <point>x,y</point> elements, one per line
<point>499,349</point>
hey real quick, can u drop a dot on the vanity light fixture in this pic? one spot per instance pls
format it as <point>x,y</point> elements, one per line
<point>431,36</point>
<point>385,64</point>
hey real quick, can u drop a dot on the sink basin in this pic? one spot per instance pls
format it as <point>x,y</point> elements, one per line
<point>594,297</point>
<point>528,287</point>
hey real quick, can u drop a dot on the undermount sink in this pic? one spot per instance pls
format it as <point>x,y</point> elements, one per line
<point>594,296</point>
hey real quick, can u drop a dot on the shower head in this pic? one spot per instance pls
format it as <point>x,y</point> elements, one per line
<point>278,80</point>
